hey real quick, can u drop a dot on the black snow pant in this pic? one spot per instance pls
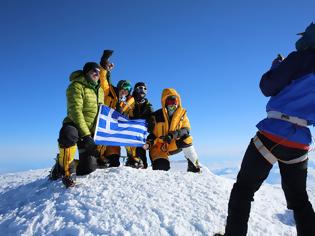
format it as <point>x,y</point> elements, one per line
<point>142,154</point>
<point>164,163</point>
<point>254,170</point>
<point>69,136</point>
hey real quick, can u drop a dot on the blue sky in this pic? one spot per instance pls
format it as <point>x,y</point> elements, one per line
<point>212,52</point>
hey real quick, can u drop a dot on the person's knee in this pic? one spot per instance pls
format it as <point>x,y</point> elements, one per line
<point>182,143</point>
<point>161,164</point>
<point>87,164</point>
<point>68,136</point>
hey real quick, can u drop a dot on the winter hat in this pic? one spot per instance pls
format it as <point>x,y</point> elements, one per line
<point>91,66</point>
<point>140,84</point>
<point>124,84</point>
<point>139,91</point>
<point>308,38</point>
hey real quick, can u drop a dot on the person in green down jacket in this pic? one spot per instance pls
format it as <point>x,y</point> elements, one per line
<point>84,95</point>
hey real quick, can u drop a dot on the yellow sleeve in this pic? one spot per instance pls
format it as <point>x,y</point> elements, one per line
<point>186,123</point>
<point>104,82</point>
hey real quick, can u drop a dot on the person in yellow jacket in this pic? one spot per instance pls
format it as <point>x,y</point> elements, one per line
<point>118,98</point>
<point>170,134</point>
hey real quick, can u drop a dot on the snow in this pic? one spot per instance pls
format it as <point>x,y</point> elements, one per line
<point>126,201</point>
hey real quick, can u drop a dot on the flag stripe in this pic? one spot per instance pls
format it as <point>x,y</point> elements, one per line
<point>122,121</point>
<point>126,132</point>
<point>118,135</point>
<point>118,142</point>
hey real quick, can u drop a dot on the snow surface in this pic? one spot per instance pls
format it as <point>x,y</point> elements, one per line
<point>126,201</point>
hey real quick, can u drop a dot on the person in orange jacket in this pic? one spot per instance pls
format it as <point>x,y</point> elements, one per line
<point>171,134</point>
<point>118,98</point>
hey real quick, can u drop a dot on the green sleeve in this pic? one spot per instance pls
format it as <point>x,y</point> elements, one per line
<point>75,94</point>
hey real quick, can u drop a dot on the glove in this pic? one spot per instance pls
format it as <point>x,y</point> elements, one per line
<point>90,146</point>
<point>104,59</point>
<point>175,134</point>
<point>146,146</point>
<point>277,61</point>
<point>168,138</point>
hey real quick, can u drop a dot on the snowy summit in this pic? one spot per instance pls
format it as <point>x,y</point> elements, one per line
<point>126,201</point>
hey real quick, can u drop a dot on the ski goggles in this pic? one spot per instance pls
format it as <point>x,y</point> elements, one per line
<point>95,71</point>
<point>141,89</point>
<point>172,100</point>
<point>126,87</point>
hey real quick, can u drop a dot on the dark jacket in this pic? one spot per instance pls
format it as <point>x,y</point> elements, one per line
<point>296,65</point>
<point>142,110</point>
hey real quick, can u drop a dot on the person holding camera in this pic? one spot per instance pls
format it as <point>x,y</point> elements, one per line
<point>283,137</point>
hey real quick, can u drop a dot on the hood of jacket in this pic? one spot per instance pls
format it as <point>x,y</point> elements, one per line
<point>170,92</point>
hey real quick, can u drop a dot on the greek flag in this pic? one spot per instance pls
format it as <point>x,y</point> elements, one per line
<point>114,129</point>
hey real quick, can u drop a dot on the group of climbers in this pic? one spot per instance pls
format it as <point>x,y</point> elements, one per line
<point>89,88</point>
<point>282,137</point>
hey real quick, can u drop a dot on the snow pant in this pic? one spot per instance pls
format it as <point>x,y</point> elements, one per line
<point>254,170</point>
<point>69,137</point>
<point>163,163</point>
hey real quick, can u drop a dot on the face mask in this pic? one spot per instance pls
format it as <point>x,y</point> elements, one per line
<point>141,90</point>
<point>171,109</point>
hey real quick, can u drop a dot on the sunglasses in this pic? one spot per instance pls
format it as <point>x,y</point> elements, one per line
<point>95,71</point>
<point>141,88</point>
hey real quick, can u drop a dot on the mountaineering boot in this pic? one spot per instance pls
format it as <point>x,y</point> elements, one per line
<point>102,161</point>
<point>135,162</point>
<point>56,171</point>
<point>192,158</point>
<point>113,160</point>
<point>69,181</point>
<point>66,161</point>
<point>192,168</point>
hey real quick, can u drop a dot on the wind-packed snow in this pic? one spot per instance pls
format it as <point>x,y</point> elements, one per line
<point>126,201</point>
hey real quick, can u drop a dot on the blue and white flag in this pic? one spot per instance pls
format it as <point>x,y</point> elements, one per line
<point>114,129</point>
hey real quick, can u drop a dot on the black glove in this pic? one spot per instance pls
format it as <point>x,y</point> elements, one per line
<point>90,146</point>
<point>175,134</point>
<point>104,59</point>
<point>277,61</point>
<point>168,138</point>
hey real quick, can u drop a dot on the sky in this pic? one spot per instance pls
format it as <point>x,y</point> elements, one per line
<point>212,52</point>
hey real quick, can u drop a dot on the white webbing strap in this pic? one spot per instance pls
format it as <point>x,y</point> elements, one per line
<point>291,119</point>
<point>270,157</point>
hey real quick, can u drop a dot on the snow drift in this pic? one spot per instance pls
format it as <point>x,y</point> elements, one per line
<point>126,201</point>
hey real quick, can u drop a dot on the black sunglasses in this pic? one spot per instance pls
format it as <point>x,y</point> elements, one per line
<point>140,88</point>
